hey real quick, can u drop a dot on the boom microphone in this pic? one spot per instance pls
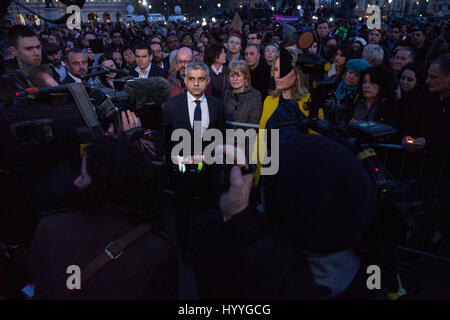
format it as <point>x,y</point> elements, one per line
<point>152,90</point>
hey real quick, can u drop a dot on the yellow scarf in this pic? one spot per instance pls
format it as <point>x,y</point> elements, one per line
<point>270,105</point>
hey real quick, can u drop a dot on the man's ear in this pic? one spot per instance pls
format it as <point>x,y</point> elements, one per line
<point>184,79</point>
<point>208,81</point>
<point>13,50</point>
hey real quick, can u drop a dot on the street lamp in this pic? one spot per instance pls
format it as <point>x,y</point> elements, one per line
<point>219,5</point>
<point>299,7</point>
<point>273,8</point>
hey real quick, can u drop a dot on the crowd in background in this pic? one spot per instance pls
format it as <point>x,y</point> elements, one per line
<point>398,75</point>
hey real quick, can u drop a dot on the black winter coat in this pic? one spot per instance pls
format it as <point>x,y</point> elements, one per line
<point>147,269</point>
<point>245,258</point>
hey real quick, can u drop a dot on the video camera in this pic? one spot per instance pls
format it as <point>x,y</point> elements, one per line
<point>42,126</point>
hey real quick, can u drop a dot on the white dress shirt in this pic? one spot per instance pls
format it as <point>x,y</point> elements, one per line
<point>205,112</point>
<point>77,80</point>
<point>62,71</point>
<point>145,74</point>
<point>217,71</point>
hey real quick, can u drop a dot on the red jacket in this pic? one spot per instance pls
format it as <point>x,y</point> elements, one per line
<point>176,87</point>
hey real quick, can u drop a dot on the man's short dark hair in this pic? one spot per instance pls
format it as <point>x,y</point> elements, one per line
<point>115,31</point>
<point>125,48</point>
<point>258,35</point>
<point>394,26</point>
<point>231,35</point>
<point>322,22</point>
<point>71,51</point>
<point>444,63</point>
<point>18,31</point>
<point>291,40</point>
<point>258,48</point>
<point>404,48</point>
<point>156,36</point>
<point>158,43</point>
<point>142,46</point>
<point>108,164</point>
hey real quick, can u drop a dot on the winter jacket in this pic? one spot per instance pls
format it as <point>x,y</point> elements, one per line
<point>147,269</point>
<point>243,107</point>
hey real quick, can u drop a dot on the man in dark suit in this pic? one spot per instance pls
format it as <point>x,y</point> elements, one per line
<point>145,68</point>
<point>157,53</point>
<point>186,111</point>
<point>76,62</point>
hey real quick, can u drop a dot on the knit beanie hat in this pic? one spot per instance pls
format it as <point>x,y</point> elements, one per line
<point>357,65</point>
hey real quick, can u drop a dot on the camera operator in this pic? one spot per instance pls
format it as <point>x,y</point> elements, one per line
<point>118,190</point>
<point>305,244</point>
<point>77,64</point>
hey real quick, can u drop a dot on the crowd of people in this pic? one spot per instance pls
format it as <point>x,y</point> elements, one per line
<point>305,243</point>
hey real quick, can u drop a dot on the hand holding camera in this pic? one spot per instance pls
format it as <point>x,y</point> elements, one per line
<point>236,198</point>
<point>131,126</point>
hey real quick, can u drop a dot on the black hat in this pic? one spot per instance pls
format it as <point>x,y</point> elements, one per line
<point>287,62</point>
<point>50,48</point>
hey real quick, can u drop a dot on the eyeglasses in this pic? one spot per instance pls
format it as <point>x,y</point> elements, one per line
<point>156,51</point>
<point>181,62</point>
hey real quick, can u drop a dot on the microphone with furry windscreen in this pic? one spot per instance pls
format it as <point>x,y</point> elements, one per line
<point>146,92</point>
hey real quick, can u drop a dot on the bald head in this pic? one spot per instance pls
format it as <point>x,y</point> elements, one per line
<point>184,57</point>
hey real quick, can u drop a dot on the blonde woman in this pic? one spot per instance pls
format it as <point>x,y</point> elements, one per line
<point>291,84</point>
<point>242,102</point>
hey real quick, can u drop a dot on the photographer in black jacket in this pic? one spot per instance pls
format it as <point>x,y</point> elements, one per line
<point>118,190</point>
<point>305,244</point>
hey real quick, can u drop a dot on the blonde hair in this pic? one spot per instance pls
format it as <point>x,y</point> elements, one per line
<point>301,83</point>
<point>239,66</point>
<point>173,67</point>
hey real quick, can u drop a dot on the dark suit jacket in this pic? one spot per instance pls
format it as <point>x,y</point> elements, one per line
<point>176,116</point>
<point>68,79</point>
<point>166,62</point>
<point>155,71</point>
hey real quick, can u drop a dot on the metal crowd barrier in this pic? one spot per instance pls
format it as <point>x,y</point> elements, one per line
<point>419,158</point>
<point>243,125</point>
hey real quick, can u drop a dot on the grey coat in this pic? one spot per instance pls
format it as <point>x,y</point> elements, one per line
<point>243,107</point>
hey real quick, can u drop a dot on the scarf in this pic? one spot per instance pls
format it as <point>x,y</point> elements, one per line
<point>344,90</point>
